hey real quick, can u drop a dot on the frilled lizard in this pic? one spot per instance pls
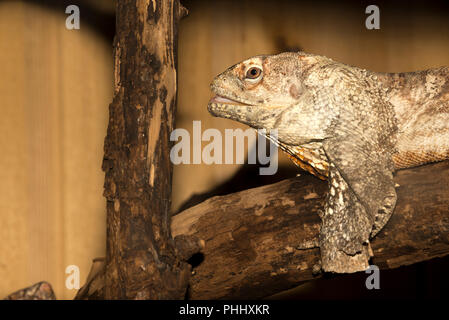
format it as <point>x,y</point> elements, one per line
<point>345,124</point>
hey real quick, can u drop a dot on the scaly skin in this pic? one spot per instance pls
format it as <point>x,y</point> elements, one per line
<point>349,125</point>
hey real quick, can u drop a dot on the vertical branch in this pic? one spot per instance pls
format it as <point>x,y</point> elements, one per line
<point>142,261</point>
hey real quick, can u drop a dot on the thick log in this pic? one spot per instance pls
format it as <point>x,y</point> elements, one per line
<point>261,241</point>
<point>141,258</point>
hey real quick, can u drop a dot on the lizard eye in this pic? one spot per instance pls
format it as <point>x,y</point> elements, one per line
<point>253,73</point>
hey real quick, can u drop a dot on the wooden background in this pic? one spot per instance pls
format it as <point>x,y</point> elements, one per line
<point>56,84</point>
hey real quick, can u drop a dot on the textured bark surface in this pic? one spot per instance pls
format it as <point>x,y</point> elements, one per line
<point>141,259</point>
<point>39,291</point>
<point>260,241</point>
<point>253,238</point>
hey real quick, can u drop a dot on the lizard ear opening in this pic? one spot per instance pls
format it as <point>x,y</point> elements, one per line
<point>295,91</point>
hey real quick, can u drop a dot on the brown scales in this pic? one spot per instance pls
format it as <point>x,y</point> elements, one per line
<point>413,159</point>
<point>308,159</point>
<point>314,162</point>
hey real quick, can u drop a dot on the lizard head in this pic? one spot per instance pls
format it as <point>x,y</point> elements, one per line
<point>257,90</point>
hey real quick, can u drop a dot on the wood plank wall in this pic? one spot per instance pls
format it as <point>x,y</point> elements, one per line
<point>55,88</point>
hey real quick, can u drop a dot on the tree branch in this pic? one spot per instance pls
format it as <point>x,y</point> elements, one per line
<point>142,261</point>
<point>261,241</point>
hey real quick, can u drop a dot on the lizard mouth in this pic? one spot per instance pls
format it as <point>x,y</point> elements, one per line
<point>223,100</point>
<point>220,106</point>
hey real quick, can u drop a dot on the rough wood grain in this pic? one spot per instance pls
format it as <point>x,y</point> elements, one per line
<point>141,259</point>
<point>39,291</point>
<point>253,239</point>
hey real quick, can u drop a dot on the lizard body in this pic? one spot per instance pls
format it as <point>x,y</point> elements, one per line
<point>351,126</point>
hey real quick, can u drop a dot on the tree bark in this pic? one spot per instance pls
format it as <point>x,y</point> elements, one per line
<point>262,241</point>
<point>141,258</point>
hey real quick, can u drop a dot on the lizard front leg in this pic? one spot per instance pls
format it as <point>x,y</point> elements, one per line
<point>345,228</point>
<point>360,201</point>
